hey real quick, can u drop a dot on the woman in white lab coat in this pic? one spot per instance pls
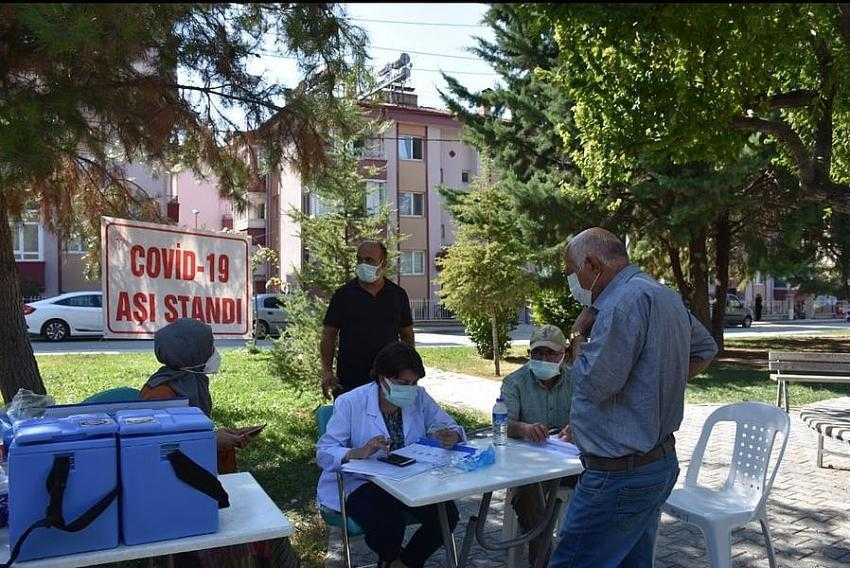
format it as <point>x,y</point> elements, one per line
<point>382,416</point>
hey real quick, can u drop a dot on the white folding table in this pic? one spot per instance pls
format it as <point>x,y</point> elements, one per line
<point>251,517</point>
<point>517,463</point>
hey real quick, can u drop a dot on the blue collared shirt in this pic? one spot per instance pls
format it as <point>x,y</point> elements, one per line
<point>629,381</point>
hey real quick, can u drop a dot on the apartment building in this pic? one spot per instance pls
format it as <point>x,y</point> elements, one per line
<point>420,150</point>
<point>50,266</point>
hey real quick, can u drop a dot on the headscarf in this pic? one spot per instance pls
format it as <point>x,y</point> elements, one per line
<point>184,347</point>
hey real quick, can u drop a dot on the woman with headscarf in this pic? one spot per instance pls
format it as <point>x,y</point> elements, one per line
<point>188,355</point>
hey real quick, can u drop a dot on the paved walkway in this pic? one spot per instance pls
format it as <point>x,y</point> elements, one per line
<point>809,508</point>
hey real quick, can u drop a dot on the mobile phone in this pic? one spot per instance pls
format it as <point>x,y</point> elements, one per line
<point>395,459</point>
<point>253,431</point>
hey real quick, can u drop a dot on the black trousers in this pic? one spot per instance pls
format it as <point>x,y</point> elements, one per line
<point>382,518</point>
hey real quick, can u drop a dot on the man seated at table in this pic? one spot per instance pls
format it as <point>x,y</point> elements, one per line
<point>382,416</point>
<point>538,398</point>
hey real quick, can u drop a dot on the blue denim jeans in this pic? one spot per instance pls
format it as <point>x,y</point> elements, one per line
<point>612,517</point>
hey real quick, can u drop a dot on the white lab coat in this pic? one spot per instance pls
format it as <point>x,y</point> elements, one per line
<point>357,419</point>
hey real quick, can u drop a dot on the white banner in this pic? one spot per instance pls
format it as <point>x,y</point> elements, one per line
<point>154,274</point>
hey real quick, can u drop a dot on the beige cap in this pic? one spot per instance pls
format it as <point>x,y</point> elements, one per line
<point>548,336</point>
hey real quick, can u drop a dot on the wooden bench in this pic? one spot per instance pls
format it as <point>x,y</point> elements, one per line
<point>793,367</point>
<point>830,418</point>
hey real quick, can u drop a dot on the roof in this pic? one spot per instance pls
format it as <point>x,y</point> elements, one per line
<point>424,115</point>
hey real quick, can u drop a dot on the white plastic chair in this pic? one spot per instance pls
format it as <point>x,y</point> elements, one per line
<point>510,523</point>
<point>743,497</point>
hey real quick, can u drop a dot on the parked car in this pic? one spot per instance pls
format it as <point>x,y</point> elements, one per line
<point>736,312</point>
<point>269,316</point>
<point>73,314</point>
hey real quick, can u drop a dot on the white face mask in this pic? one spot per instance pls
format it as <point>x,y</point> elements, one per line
<point>213,363</point>
<point>366,272</point>
<point>581,295</point>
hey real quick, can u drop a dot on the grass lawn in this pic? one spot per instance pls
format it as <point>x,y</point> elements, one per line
<point>466,360</point>
<point>739,375</point>
<point>244,393</point>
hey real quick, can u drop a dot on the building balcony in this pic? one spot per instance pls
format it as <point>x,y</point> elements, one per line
<point>245,223</point>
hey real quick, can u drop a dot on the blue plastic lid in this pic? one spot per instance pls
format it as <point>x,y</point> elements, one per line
<point>162,421</point>
<point>70,428</point>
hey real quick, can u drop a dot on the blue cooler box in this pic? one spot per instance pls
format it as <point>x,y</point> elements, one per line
<point>156,504</point>
<point>86,444</point>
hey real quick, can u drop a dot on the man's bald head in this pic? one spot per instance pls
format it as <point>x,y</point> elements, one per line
<point>372,252</point>
<point>597,242</point>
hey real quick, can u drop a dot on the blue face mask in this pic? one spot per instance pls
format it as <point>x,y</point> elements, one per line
<point>401,396</point>
<point>543,370</point>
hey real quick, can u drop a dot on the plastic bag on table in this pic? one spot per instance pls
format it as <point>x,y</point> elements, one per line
<point>26,404</point>
<point>478,460</point>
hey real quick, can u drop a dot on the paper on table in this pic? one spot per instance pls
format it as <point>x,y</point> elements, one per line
<point>373,468</point>
<point>555,444</point>
<point>430,454</point>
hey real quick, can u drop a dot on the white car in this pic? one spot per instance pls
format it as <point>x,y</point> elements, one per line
<point>74,314</point>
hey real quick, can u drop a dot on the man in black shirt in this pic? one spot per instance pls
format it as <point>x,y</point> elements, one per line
<point>366,313</point>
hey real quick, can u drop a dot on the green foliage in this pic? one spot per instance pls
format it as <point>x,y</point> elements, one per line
<point>295,356</point>
<point>555,306</point>
<point>480,332</point>
<point>483,275</point>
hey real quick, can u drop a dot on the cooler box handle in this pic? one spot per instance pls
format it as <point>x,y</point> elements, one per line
<point>57,482</point>
<point>198,478</point>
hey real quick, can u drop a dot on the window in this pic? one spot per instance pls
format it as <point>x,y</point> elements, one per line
<point>372,148</point>
<point>464,176</point>
<point>261,211</point>
<point>411,204</point>
<point>318,207</point>
<point>410,148</point>
<point>75,244</point>
<point>271,303</point>
<point>26,241</point>
<point>376,196</point>
<point>87,301</point>
<point>412,262</point>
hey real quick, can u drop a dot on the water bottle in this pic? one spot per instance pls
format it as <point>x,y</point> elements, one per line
<point>500,422</point>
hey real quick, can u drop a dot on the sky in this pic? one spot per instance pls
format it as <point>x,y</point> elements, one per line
<point>401,27</point>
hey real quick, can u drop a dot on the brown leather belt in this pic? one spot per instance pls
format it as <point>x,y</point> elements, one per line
<point>632,461</point>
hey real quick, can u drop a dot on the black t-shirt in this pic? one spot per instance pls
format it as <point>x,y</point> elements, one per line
<point>366,323</point>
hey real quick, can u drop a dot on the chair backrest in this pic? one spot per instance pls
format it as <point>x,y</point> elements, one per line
<point>323,416</point>
<point>791,362</point>
<point>757,425</point>
<point>118,394</point>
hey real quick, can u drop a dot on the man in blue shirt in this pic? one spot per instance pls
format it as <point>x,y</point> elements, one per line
<point>633,350</point>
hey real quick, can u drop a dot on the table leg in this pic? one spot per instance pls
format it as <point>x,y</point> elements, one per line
<point>785,391</point>
<point>448,540</point>
<point>779,394</point>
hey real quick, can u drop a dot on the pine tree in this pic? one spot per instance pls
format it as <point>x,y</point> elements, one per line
<point>85,86</point>
<point>483,277</point>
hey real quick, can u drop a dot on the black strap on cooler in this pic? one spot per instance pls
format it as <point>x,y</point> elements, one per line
<point>198,478</point>
<point>57,482</point>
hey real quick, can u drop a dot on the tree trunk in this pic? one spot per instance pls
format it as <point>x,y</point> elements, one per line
<point>685,288</point>
<point>494,324</point>
<point>722,245</point>
<point>699,277</point>
<point>18,368</point>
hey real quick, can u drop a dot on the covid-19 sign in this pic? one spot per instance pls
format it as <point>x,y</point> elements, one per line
<point>154,274</point>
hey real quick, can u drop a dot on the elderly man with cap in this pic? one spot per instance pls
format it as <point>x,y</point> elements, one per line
<point>538,397</point>
<point>634,349</point>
